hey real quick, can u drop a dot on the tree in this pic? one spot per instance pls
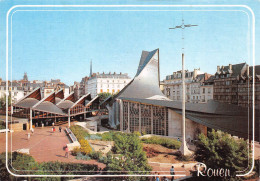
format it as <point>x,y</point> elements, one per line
<point>3,101</point>
<point>132,158</point>
<point>105,95</point>
<point>221,150</point>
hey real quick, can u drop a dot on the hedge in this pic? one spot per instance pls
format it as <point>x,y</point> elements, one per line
<point>166,142</point>
<point>79,132</point>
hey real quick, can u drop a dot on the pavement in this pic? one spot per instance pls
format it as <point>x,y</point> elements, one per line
<point>44,145</point>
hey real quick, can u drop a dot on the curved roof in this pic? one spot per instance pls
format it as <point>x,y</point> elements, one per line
<point>65,104</point>
<point>27,103</point>
<point>57,100</point>
<point>49,107</point>
<point>146,82</point>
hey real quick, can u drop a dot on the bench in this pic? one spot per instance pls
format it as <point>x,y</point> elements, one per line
<point>71,135</point>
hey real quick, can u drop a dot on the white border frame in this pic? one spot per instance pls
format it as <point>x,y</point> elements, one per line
<point>73,6</point>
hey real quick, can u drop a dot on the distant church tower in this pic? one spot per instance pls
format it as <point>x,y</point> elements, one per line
<point>25,77</point>
<point>90,73</point>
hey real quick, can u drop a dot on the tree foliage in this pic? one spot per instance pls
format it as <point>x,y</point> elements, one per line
<point>3,101</point>
<point>220,150</point>
<point>130,157</point>
<point>24,164</point>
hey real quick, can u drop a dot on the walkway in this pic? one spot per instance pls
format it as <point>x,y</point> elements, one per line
<point>43,145</point>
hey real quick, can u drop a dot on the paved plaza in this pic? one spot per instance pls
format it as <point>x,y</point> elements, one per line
<point>43,145</point>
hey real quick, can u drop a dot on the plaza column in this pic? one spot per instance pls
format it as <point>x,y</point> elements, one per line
<point>69,117</point>
<point>184,149</point>
<point>31,119</point>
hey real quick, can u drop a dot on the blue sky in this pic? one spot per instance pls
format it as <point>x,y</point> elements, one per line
<point>60,44</point>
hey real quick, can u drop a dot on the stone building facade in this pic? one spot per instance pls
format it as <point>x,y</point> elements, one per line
<point>173,84</point>
<point>233,84</point>
<point>111,83</point>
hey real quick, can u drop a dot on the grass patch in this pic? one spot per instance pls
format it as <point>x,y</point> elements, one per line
<point>166,142</point>
<point>79,132</point>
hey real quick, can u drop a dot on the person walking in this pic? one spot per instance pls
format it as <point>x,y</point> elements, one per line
<point>67,152</point>
<point>172,173</point>
<point>28,136</point>
<point>60,128</point>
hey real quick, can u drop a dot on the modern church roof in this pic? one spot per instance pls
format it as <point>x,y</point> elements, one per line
<point>144,88</point>
<point>145,84</point>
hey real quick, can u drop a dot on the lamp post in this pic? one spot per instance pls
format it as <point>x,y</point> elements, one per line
<point>184,149</point>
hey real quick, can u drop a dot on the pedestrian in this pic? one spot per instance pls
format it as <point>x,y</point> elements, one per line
<point>28,136</point>
<point>52,123</point>
<point>67,152</point>
<point>32,130</point>
<point>36,124</point>
<point>53,129</point>
<point>172,172</point>
<point>60,128</point>
<point>158,177</point>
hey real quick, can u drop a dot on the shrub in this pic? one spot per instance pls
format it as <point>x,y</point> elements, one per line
<point>137,133</point>
<point>79,132</point>
<point>75,151</point>
<point>96,155</point>
<point>94,137</point>
<point>108,136</point>
<point>2,125</point>
<point>85,147</point>
<point>80,156</point>
<point>166,142</point>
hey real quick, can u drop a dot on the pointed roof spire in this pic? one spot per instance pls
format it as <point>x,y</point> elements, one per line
<point>90,73</point>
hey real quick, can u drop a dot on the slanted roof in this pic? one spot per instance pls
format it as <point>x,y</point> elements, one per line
<point>240,126</point>
<point>146,82</point>
<point>67,102</point>
<point>82,100</point>
<point>237,69</point>
<point>95,99</point>
<point>26,103</point>
<point>59,96</point>
<point>47,104</point>
<point>30,99</point>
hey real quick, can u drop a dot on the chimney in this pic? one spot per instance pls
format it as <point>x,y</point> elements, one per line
<point>195,72</point>
<point>114,73</point>
<point>247,70</point>
<point>230,66</point>
<point>218,67</point>
<point>120,73</point>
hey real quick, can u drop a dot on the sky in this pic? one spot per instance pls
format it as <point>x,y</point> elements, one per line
<point>59,43</point>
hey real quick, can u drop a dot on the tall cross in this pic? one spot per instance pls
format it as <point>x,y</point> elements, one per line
<point>182,27</point>
<point>184,149</point>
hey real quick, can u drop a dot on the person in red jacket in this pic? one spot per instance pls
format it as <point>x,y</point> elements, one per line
<point>67,152</point>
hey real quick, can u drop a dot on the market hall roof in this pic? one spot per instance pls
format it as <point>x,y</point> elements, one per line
<point>59,96</point>
<point>30,99</point>
<point>67,102</point>
<point>145,84</point>
<point>47,104</point>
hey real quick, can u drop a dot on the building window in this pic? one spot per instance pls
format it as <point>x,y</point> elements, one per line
<point>203,90</point>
